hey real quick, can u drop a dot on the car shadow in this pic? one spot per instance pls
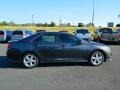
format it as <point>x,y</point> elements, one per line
<point>5,63</point>
<point>63,64</point>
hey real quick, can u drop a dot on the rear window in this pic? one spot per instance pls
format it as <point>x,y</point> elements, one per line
<point>18,33</point>
<point>106,30</point>
<point>39,31</point>
<point>9,32</point>
<point>1,33</point>
<point>82,31</point>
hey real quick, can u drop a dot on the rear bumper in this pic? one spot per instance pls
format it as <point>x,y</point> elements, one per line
<point>14,56</point>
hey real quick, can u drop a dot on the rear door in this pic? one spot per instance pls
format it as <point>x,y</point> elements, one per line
<point>48,46</point>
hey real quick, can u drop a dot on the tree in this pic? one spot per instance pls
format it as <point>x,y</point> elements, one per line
<point>12,23</point>
<point>45,25</point>
<point>90,24</point>
<point>118,25</point>
<point>38,25</point>
<point>81,25</point>
<point>52,24</point>
<point>4,23</point>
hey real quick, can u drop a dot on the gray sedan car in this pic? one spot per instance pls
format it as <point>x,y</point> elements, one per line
<point>49,47</point>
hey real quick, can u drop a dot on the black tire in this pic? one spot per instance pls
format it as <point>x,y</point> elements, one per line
<point>96,58</point>
<point>30,60</point>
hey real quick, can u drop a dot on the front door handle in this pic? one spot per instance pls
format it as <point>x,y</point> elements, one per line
<point>62,46</point>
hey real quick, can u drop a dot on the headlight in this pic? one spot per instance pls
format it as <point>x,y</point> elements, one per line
<point>105,48</point>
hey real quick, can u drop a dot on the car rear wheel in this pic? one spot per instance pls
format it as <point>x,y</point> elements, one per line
<point>30,60</point>
<point>97,58</point>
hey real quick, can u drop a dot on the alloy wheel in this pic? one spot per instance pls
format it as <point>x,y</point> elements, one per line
<point>97,58</point>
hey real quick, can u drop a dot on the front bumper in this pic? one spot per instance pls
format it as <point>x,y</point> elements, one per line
<point>108,55</point>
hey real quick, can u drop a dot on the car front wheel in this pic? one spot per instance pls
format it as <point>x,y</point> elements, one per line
<point>30,60</point>
<point>97,58</point>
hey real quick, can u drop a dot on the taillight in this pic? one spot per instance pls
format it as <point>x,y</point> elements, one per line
<point>9,45</point>
<point>4,35</point>
<point>118,36</point>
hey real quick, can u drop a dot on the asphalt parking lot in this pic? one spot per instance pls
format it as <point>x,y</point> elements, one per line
<point>67,76</point>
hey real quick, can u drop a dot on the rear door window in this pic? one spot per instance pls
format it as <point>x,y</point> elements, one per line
<point>47,38</point>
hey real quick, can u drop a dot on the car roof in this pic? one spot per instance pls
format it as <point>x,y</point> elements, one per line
<point>6,30</point>
<point>104,28</point>
<point>52,33</point>
<point>22,30</point>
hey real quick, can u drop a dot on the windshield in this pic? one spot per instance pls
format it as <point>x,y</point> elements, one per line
<point>117,30</point>
<point>106,30</point>
<point>29,32</point>
<point>82,31</point>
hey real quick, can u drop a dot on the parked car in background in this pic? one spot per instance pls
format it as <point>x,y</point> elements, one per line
<point>63,31</point>
<point>20,34</point>
<point>117,30</point>
<point>56,47</point>
<point>83,34</point>
<point>5,35</point>
<point>39,31</point>
<point>106,35</point>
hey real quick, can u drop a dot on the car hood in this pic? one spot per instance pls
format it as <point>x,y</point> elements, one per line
<point>96,43</point>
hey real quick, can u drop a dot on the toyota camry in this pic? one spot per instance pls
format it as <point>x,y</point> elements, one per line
<point>52,47</point>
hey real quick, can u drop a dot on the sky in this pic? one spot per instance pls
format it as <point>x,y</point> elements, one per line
<point>73,11</point>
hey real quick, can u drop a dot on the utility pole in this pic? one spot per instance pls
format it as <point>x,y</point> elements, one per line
<point>119,16</point>
<point>32,19</point>
<point>93,14</point>
<point>60,22</point>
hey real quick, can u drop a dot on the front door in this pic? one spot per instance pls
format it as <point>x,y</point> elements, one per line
<point>72,48</point>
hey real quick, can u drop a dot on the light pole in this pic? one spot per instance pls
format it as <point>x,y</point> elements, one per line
<point>93,14</point>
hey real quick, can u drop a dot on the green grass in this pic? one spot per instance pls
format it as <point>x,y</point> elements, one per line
<point>50,29</point>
